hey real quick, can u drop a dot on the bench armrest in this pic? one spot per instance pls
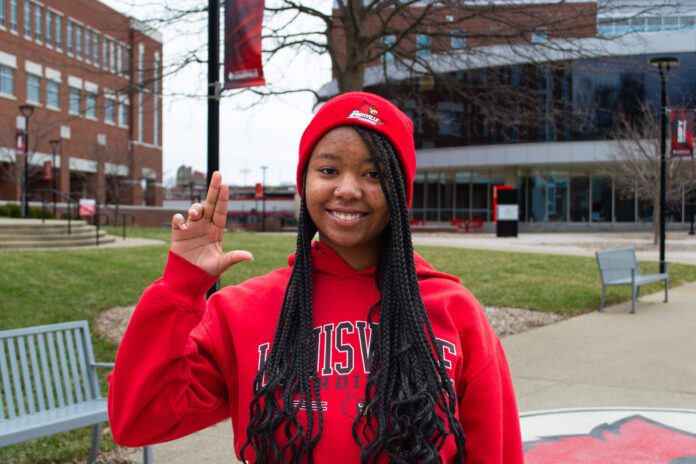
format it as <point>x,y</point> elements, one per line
<point>103,364</point>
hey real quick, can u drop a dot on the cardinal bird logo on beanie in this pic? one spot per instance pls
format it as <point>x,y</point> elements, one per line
<point>366,113</point>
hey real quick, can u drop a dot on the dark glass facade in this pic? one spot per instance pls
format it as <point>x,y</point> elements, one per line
<point>532,103</point>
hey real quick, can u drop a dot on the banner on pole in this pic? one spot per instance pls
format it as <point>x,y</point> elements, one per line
<point>47,170</point>
<point>682,128</point>
<point>20,142</point>
<point>243,19</point>
<point>88,206</point>
<point>258,192</point>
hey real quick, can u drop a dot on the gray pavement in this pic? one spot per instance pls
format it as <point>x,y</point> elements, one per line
<point>609,359</point>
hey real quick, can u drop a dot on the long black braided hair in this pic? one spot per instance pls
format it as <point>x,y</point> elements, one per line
<point>409,407</point>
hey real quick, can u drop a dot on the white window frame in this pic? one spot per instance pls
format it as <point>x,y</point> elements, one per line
<point>27,19</point>
<point>109,102</point>
<point>9,62</point>
<point>48,21</point>
<point>88,45</point>
<point>70,100</point>
<point>58,31</point>
<point>95,48</point>
<point>69,33</point>
<point>36,102</point>
<point>48,104</point>
<point>79,38</point>
<point>123,106</point>
<point>91,111</point>
<point>14,14</point>
<point>38,33</point>
<point>3,15</point>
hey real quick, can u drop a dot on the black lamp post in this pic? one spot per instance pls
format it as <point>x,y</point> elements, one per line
<point>27,111</point>
<point>263,198</point>
<point>55,143</point>
<point>663,64</point>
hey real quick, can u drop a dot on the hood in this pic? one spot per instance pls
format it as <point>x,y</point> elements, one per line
<point>327,261</point>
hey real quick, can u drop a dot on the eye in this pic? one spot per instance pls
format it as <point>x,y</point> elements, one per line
<point>372,174</point>
<point>328,171</point>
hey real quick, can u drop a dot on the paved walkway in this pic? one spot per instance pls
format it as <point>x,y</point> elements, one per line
<point>609,359</point>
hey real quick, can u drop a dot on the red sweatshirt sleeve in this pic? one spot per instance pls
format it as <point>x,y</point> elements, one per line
<point>488,413</point>
<point>164,384</point>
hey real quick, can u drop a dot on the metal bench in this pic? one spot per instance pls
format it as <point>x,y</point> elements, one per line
<point>619,266</point>
<point>50,385</point>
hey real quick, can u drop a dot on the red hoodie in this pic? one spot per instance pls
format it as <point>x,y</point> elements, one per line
<point>184,365</point>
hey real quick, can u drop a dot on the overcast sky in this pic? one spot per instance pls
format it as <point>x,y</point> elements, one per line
<point>265,135</point>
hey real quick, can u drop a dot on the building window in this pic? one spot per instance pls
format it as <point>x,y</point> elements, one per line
<point>27,19</point>
<point>126,64</point>
<point>3,20</point>
<point>389,41</point>
<point>49,27</point>
<point>88,42</point>
<point>105,54</point>
<point>59,32</point>
<point>112,56</point>
<point>6,80</point>
<point>91,106</point>
<point>539,36</point>
<point>52,94</point>
<point>74,101</point>
<point>78,41</point>
<point>70,37</point>
<point>123,113</point>
<point>119,59</point>
<point>95,48</point>
<point>458,40</point>
<point>37,22</point>
<point>424,42</point>
<point>155,78</point>
<point>13,15</point>
<point>33,88</point>
<point>108,109</point>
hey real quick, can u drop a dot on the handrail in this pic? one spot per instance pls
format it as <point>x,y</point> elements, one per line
<point>55,193</point>
<point>127,218</point>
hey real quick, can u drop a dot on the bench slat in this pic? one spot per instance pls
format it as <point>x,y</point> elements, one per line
<point>5,384</point>
<point>64,369</point>
<point>79,342</point>
<point>46,371</point>
<point>38,387</point>
<point>56,372</point>
<point>14,370</point>
<point>74,373</point>
<point>26,375</point>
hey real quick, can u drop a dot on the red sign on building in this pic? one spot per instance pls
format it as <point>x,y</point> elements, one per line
<point>682,125</point>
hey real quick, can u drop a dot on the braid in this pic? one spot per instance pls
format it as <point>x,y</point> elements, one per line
<point>290,368</point>
<point>408,384</point>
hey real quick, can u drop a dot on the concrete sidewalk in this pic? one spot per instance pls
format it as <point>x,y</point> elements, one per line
<point>609,359</point>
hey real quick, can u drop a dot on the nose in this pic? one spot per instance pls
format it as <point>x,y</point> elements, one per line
<point>348,188</point>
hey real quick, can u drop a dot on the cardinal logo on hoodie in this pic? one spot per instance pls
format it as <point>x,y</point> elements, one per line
<point>367,113</point>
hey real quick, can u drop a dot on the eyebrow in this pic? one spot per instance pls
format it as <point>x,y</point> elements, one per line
<point>333,157</point>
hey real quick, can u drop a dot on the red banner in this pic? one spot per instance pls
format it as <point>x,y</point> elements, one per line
<point>243,19</point>
<point>258,193</point>
<point>20,142</point>
<point>47,171</point>
<point>682,125</point>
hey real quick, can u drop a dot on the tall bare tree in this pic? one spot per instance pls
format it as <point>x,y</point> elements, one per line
<point>636,167</point>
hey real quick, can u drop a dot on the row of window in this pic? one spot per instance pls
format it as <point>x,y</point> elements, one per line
<point>609,27</point>
<point>81,41</point>
<point>75,97</point>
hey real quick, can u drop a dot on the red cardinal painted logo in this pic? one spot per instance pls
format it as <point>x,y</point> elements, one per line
<point>632,440</point>
<point>367,113</point>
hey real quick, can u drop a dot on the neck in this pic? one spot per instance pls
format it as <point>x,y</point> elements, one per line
<point>358,258</point>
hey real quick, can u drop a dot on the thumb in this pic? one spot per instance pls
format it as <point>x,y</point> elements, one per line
<point>231,258</point>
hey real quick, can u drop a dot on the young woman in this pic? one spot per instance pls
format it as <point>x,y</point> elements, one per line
<point>358,351</point>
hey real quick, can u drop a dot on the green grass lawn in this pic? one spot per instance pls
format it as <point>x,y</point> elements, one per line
<point>43,287</point>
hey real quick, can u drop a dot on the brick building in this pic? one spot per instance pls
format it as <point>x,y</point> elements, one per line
<point>93,78</point>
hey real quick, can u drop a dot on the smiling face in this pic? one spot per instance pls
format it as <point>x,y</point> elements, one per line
<point>344,197</point>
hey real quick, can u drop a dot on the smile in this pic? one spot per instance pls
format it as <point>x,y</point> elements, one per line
<point>346,216</point>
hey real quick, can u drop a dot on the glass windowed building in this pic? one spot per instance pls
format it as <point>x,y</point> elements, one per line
<point>545,127</point>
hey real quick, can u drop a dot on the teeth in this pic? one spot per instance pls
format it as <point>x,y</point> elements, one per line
<point>346,216</point>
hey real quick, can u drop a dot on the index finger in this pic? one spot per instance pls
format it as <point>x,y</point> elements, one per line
<point>213,191</point>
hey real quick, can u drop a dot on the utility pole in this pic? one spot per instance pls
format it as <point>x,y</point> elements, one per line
<point>213,99</point>
<point>263,198</point>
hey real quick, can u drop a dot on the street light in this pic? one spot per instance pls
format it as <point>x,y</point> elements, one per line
<point>663,64</point>
<point>263,198</point>
<point>27,111</point>
<point>55,143</point>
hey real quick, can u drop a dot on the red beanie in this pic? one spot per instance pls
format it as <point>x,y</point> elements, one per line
<point>363,109</point>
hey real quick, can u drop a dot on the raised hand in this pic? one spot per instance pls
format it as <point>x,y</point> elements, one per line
<point>199,239</point>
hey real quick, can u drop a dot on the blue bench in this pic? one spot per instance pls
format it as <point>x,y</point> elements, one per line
<point>50,385</point>
<point>619,266</point>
